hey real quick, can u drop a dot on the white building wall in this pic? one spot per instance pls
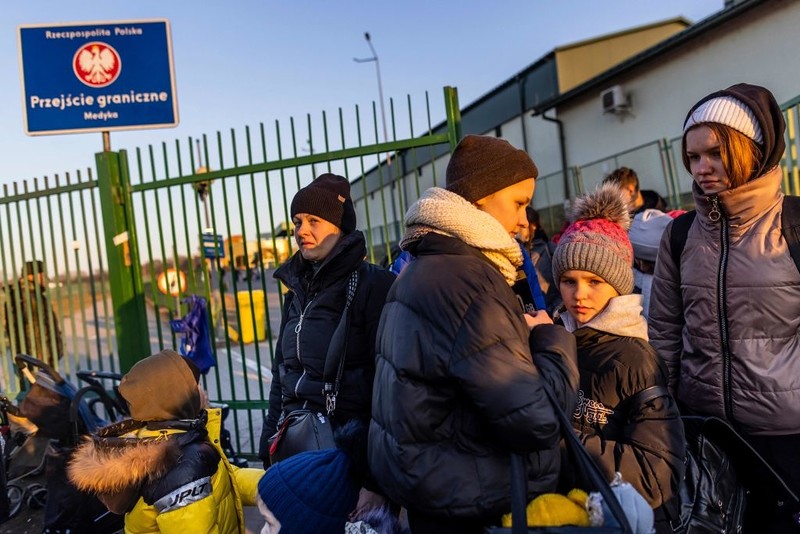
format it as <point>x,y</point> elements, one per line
<point>758,48</point>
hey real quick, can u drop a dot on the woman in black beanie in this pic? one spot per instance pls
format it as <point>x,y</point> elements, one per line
<point>331,250</point>
<point>725,316</point>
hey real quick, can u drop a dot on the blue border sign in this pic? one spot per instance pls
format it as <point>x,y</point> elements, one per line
<point>97,76</point>
<point>213,246</point>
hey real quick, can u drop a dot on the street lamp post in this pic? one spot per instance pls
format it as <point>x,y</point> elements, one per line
<point>380,88</point>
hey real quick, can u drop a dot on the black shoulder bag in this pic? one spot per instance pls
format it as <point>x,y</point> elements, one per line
<point>308,430</point>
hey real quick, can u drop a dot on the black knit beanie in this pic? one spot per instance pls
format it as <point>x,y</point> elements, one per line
<point>328,197</point>
<point>761,102</point>
<point>482,165</point>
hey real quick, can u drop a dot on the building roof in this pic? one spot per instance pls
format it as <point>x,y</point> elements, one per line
<point>646,57</point>
<point>502,102</point>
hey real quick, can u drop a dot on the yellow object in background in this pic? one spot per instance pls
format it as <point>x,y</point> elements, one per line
<point>252,321</point>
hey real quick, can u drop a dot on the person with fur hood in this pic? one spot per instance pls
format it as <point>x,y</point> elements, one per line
<point>163,468</point>
<point>625,416</point>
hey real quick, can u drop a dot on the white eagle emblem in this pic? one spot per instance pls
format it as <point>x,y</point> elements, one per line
<point>97,64</point>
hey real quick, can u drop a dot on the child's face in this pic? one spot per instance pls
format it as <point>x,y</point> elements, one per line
<point>271,523</point>
<point>585,294</point>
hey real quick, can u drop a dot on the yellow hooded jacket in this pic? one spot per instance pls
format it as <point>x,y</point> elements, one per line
<point>181,483</point>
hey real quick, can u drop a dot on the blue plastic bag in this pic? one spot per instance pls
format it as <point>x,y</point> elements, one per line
<point>196,342</point>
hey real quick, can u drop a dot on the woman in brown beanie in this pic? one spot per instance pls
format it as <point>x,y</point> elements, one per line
<point>725,312</point>
<point>625,417</point>
<point>456,389</point>
<point>331,254</point>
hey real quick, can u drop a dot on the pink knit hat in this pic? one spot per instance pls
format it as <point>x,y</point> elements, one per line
<point>597,240</point>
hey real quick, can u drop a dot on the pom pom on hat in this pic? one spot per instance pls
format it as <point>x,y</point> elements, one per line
<point>482,165</point>
<point>328,197</point>
<point>597,240</point>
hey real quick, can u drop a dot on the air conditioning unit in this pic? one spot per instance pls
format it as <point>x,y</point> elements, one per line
<point>614,100</point>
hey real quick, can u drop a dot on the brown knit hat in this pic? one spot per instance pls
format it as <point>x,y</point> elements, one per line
<point>328,196</point>
<point>162,387</point>
<point>597,240</point>
<point>482,165</point>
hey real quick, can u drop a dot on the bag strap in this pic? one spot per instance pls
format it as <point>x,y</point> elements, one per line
<point>642,397</point>
<point>678,236</point>
<point>334,359</point>
<point>584,462</point>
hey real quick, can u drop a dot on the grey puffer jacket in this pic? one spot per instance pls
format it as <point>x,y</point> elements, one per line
<point>456,389</point>
<point>729,332</point>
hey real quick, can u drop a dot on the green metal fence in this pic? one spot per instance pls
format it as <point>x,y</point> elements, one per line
<point>61,307</point>
<point>239,185</point>
<point>141,220</point>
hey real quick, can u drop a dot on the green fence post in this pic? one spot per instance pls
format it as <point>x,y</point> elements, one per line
<point>453,116</point>
<point>124,271</point>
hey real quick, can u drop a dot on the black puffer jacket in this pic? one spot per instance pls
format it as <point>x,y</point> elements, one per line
<point>642,440</point>
<point>456,390</point>
<point>319,295</point>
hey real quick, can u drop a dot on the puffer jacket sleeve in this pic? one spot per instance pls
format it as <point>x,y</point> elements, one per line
<point>275,389</point>
<point>554,353</point>
<point>186,495</point>
<point>650,455</point>
<point>246,481</point>
<point>378,282</point>
<point>666,312</point>
<point>493,367</point>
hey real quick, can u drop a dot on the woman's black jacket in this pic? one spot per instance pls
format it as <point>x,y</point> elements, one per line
<point>456,389</point>
<point>319,295</point>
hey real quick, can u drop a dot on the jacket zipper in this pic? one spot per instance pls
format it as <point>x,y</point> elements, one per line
<point>722,310</point>
<point>297,330</point>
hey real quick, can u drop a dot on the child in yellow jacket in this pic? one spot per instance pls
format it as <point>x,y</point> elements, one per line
<point>164,468</point>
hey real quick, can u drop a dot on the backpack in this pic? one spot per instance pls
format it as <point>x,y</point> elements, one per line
<point>790,228</point>
<point>721,469</point>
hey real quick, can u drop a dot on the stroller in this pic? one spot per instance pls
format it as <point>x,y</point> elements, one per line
<point>62,413</point>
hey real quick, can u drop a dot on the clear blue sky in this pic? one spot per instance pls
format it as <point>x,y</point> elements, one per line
<point>243,62</point>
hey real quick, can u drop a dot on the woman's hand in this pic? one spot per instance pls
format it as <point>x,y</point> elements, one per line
<point>540,317</point>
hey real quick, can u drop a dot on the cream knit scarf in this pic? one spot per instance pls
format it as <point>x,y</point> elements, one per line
<point>441,211</point>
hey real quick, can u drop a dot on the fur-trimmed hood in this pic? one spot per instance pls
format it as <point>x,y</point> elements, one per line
<point>129,454</point>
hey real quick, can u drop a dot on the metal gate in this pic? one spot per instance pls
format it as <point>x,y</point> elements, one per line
<point>211,218</point>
